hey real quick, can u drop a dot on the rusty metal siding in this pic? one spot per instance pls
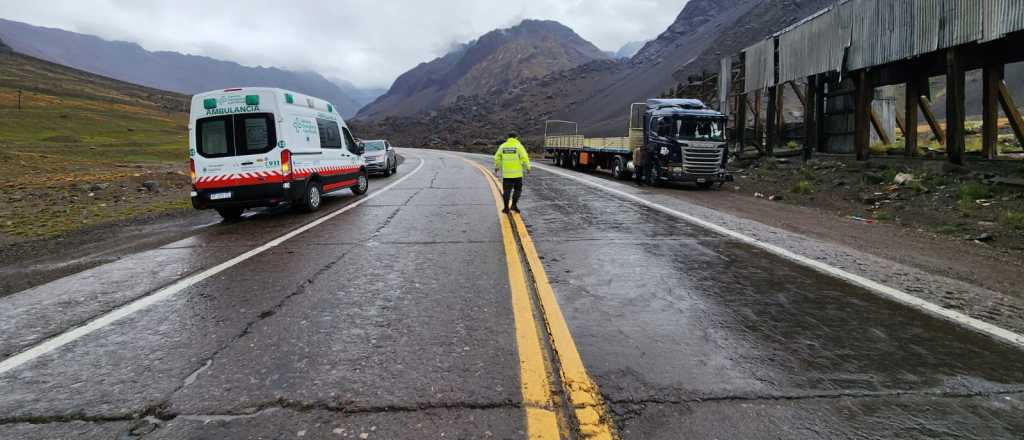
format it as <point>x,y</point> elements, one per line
<point>724,84</point>
<point>760,66</point>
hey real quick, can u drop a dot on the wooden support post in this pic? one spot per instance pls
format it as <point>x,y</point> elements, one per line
<point>741,121</point>
<point>810,117</point>
<point>780,114</point>
<point>758,127</point>
<point>933,122</point>
<point>862,115</point>
<point>799,94</point>
<point>877,123</point>
<point>992,76</point>
<point>900,125</point>
<point>910,118</point>
<point>819,117</point>
<point>955,107</point>
<point>1012,113</point>
<point>772,119</point>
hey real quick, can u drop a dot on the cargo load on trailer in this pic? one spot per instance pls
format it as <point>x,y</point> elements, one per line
<point>669,140</point>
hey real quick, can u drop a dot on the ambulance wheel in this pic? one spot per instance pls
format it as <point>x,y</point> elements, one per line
<point>230,214</point>
<point>313,198</point>
<point>362,185</point>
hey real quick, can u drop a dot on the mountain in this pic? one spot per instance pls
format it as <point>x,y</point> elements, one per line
<point>597,94</point>
<point>4,49</point>
<point>490,64</point>
<point>359,95</point>
<point>171,71</point>
<point>629,49</point>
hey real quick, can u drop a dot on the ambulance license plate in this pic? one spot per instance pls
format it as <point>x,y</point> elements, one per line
<point>220,196</point>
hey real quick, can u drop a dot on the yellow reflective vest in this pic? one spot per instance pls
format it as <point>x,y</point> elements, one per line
<point>511,159</point>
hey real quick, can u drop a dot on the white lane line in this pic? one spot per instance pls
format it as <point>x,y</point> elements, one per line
<point>895,294</point>
<point>139,304</point>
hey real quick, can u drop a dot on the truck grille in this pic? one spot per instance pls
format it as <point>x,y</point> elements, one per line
<point>697,160</point>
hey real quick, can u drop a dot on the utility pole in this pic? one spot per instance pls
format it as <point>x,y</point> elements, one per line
<point>19,100</point>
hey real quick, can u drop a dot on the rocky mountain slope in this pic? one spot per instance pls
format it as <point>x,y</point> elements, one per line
<point>172,71</point>
<point>597,94</point>
<point>490,64</point>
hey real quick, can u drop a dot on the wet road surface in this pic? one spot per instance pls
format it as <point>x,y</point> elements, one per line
<point>395,320</point>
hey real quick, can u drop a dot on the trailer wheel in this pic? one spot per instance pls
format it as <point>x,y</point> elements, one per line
<point>619,168</point>
<point>574,160</point>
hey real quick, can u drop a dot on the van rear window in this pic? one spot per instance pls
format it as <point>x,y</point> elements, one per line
<point>235,135</point>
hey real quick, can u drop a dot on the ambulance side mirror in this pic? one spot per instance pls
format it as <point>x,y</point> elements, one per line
<point>360,148</point>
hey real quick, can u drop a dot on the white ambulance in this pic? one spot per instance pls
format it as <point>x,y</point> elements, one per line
<point>253,147</point>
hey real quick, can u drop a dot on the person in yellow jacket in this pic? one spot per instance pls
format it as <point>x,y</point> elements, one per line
<point>512,162</point>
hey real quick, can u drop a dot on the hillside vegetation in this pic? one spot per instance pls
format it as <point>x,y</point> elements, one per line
<point>81,146</point>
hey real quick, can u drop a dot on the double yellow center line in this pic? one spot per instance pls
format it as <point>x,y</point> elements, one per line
<point>541,400</point>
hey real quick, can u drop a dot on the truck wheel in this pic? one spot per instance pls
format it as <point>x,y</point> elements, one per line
<point>652,177</point>
<point>574,161</point>
<point>313,197</point>
<point>230,214</point>
<point>362,185</point>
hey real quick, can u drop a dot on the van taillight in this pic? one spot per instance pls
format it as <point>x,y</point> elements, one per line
<point>286,163</point>
<point>192,169</point>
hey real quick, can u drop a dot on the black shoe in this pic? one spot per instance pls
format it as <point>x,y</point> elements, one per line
<point>504,211</point>
<point>515,209</point>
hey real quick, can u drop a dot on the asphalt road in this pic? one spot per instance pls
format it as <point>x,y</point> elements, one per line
<point>395,316</point>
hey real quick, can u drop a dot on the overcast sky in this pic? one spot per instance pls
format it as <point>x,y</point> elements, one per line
<point>368,42</point>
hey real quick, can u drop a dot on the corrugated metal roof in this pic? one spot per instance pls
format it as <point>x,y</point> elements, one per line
<point>759,61</point>
<point>875,32</point>
<point>1002,17</point>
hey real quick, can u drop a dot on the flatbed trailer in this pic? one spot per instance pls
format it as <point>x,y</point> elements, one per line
<point>644,153</point>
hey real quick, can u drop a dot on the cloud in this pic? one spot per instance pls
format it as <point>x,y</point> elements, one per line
<point>367,42</point>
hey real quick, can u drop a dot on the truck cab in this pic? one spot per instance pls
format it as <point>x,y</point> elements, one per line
<point>684,141</point>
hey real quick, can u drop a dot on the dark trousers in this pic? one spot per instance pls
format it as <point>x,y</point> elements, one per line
<point>512,188</point>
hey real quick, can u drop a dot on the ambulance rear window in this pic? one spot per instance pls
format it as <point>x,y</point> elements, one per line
<point>236,135</point>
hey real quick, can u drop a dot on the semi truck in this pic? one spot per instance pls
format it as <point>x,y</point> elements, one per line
<point>669,140</point>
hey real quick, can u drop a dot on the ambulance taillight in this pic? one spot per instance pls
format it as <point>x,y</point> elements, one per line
<point>192,170</point>
<point>286,163</point>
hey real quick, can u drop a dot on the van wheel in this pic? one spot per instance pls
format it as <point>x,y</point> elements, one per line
<point>387,169</point>
<point>313,198</point>
<point>231,214</point>
<point>394,167</point>
<point>362,185</point>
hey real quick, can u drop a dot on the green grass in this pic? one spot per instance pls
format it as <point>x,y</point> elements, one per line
<point>884,216</point>
<point>802,187</point>
<point>1013,219</point>
<point>971,191</point>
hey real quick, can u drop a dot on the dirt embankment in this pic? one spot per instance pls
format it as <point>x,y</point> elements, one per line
<point>982,203</point>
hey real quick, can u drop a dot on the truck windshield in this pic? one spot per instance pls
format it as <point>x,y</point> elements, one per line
<point>235,135</point>
<point>699,129</point>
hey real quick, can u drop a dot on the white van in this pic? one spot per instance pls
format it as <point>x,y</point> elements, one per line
<point>252,147</point>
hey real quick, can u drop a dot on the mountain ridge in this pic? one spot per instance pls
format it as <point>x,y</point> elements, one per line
<point>166,70</point>
<point>494,61</point>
